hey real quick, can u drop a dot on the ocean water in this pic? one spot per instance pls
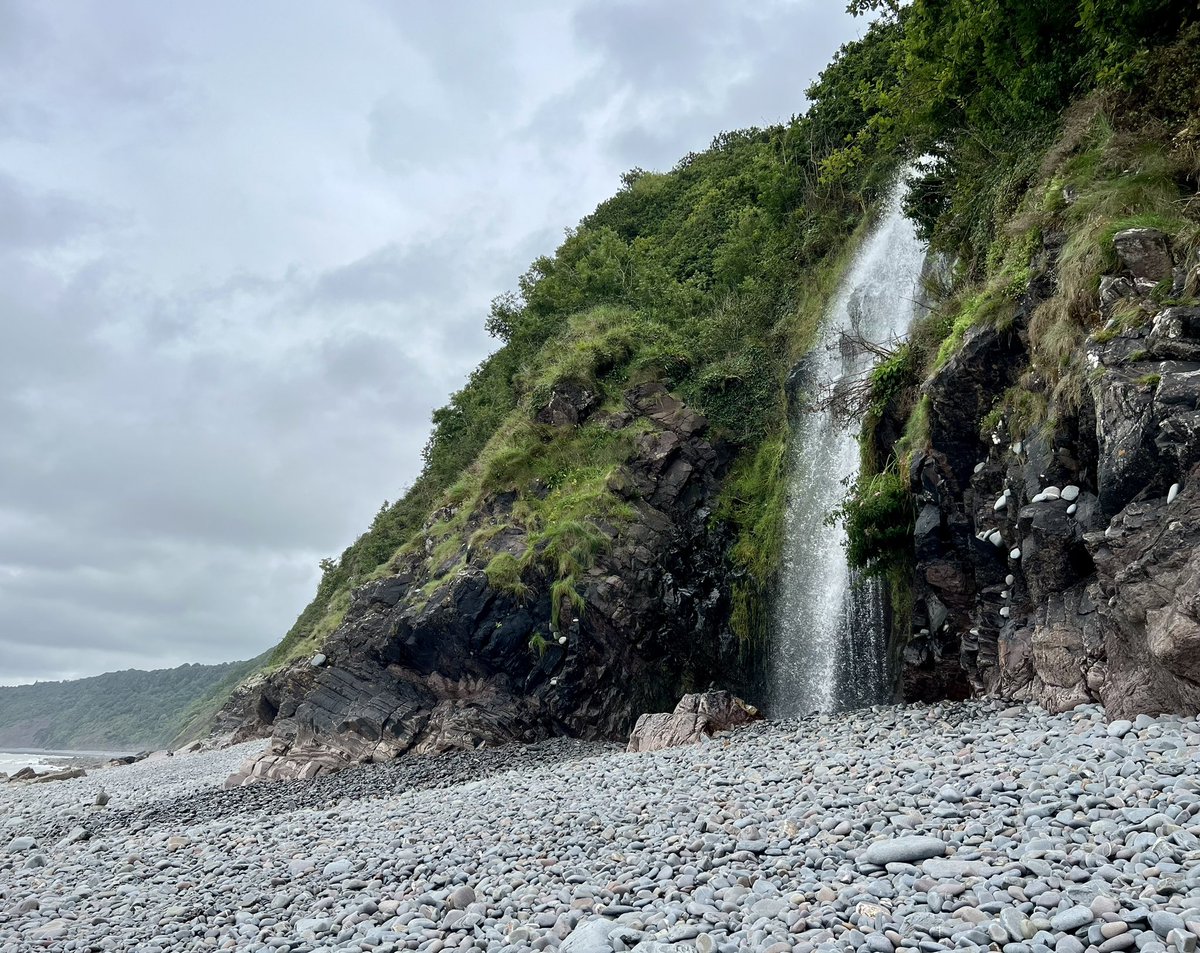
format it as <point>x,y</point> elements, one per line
<point>46,760</point>
<point>13,761</point>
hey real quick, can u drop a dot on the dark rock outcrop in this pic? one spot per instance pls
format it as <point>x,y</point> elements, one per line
<point>1148,568</point>
<point>472,664</point>
<point>570,404</point>
<point>1064,567</point>
<point>696,717</point>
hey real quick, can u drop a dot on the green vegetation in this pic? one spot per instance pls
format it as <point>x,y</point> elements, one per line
<point>979,93</point>
<point>117,711</point>
<point>1017,413</point>
<point>878,513</point>
<point>712,277</point>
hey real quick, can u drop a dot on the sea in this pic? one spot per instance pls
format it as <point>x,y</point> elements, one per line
<point>40,760</point>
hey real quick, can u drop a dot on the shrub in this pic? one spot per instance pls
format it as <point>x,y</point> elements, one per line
<point>878,517</point>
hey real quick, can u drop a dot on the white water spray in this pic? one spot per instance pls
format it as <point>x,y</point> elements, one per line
<point>829,644</point>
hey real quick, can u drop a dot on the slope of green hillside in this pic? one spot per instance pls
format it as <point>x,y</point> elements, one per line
<point>117,711</point>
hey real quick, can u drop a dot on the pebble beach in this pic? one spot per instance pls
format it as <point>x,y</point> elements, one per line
<point>973,826</point>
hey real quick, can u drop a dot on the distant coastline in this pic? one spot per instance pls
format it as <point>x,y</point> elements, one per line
<point>42,759</point>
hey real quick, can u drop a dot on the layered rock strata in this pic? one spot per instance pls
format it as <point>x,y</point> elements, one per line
<point>476,665</point>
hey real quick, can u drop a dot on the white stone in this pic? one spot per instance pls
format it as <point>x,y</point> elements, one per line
<point>1052,493</point>
<point>1004,612</point>
<point>1004,594</point>
<point>1000,504</point>
<point>1070,492</point>
<point>317,660</point>
<point>562,640</point>
<point>1072,508</point>
<point>1017,447</point>
<point>996,439</point>
<point>1015,554</point>
<point>979,466</point>
<point>1172,493</point>
<point>995,538</point>
<point>1040,498</point>
<point>1009,579</point>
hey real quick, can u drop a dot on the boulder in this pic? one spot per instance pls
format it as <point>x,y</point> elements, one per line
<point>569,405</point>
<point>1144,253</point>
<point>66,774</point>
<point>695,718</point>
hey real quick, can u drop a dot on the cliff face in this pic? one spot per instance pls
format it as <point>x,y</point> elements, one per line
<point>1062,566</point>
<point>474,663</point>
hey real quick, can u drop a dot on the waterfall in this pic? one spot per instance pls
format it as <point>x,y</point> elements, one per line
<point>829,639</point>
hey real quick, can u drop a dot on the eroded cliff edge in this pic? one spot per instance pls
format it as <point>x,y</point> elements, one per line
<point>475,662</point>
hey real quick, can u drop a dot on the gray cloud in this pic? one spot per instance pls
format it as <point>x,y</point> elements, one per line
<point>245,250</point>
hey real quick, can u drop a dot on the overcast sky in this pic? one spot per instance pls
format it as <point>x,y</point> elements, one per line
<point>246,248</point>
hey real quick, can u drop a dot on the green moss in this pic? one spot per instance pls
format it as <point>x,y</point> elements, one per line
<point>878,516</point>
<point>1019,412</point>
<point>1149,380</point>
<point>916,433</point>
<point>504,574</point>
<point>563,589</point>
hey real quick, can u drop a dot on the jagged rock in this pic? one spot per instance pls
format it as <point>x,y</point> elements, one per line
<point>962,391</point>
<point>695,718</point>
<point>1148,566</point>
<point>1067,642</point>
<point>1114,288</point>
<point>1126,428</point>
<point>468,665</point>
<point>1144,253</point>
<point>943,593</point>
<point>570,404</point>
<point>1052,552</point>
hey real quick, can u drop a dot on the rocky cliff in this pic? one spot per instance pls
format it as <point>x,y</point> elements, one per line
<point>475,663</point>
<point>1062,565</point>
<point>597,527</point>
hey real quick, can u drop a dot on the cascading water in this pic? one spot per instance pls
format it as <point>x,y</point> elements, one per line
<point>829,644</point>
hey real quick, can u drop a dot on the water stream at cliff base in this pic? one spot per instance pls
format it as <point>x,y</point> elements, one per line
<point>829,639</point>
